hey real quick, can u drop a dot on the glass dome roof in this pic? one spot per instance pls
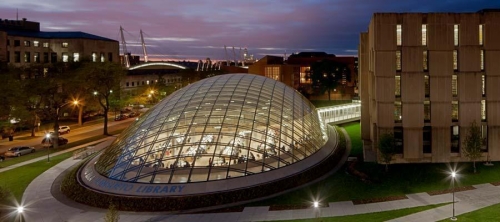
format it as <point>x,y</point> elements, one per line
<point>221,127</point>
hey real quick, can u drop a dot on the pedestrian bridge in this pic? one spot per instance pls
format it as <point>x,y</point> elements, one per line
<point>339,114</point>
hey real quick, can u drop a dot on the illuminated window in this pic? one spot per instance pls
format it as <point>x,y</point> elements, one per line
<point>481,36</point>
<point>455,34</point>
<point>397,89</point>
<point>36,43</point>
<point>398,34</point>
<point>455,60</point>
<point>94,57</point>
<point>76,57</point>
<point>27,43</point>
<point>427,86</point>
<point>65,57</point>
<point>427,111</point>
<point>103,59</point>
<point>482,59</point>
<point>27,57</point>
<point>483,110</point>
<point>64,45</point>
<point>455,139</point>
<point>426,60</point>
<point>305,75</point>
<point>398,60</point>
<point>45,44</point>
<point>273,72</point>
<point>398,114</point>
<point>454,87</point>
<point>36,57</point>
<point>483,85</point>
<point>424,34</point>
<point>454,111</point>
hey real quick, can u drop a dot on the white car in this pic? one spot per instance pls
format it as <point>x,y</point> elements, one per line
<point>64,129</point>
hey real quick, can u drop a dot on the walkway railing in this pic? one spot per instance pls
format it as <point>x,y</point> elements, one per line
<point>341,113</point>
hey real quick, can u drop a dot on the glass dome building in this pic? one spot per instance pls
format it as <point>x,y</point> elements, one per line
<point>219,134</point>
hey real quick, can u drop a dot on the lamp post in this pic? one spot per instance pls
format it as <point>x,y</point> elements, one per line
<point>47,143</point>
<point>316,209</point>
<point>453,175</point>
<point>56,122</point>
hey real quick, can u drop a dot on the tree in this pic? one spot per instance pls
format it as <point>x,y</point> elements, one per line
<point>472,144</point>
<point>102,80</point>
<point>326,75</point>
<point>112,214</point>
<point>387,148</point>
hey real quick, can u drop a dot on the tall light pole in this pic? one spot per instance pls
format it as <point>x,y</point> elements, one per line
<point>56,122</point>
<point>453,175</point>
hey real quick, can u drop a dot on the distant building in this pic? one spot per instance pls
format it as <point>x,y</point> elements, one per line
<point>295,70</point>
<point>425,77</point>
<point>23,44</point>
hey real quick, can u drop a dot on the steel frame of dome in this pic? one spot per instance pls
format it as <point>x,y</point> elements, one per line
<point>214,135</point>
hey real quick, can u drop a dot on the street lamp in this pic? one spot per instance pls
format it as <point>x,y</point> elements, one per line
<point>453,175</point>
<point>47,141</point>
<point>20,210</point>
<point>56,122</point>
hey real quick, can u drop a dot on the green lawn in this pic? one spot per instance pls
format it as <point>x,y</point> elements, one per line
<point>491,213</point>
<point>354,131</point>
<point>372,217</point>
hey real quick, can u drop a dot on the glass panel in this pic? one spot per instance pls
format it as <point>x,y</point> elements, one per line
<point>454,111</point>
<point>481,26</point>
<point>483,110</point>
<point>455,34</point>
<point>482,59</point>
<point>455,60</point>
<point>398,112</point>
<point>397,88</point>
<point>454,86</point>
<point>425,60</point>
<point>398,60</point>
<point>427,111</point>
<point>398,34</point>
<point>427,85</point>
<point>455,139</point>
<point>483,85</point>
<point>424,34</point>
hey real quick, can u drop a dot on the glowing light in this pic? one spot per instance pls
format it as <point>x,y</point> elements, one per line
<point>316,204</point>
<point>453,174</point>
<point>20,209</point>
<point>157,64</point>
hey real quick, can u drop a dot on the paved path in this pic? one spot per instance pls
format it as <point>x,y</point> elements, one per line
<point>42,206</point>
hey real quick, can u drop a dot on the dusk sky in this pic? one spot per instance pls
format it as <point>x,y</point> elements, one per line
<point>194,29</point>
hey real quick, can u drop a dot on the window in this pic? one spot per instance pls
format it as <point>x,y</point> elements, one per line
<point>427,111</point>
<point>8,57</point>
<point>427,85</point>
<point>133,83</point>
<point>454,111</point>
<point>45,57</point>
<point>398,112</point>
<point>481,28</point>
<point>455,60</point>
<point>398,60</point>
<point>482,60</point>
<point>102,57</point>
<point>45,44</point>
<point>27,57</point>
<point>424,34</point>
<point>64,45</point>
<point>455,139</point>
<point>17,43</point>
<point>483,110</point>
<point>27,43</point>
<point>427,136</point>
<point>455,34</point>
<point>398,139</point>
<point>397,84</point>
<point>426,60</point>
<point>17,57</point>
<point>305,75</point>
<point>53,57</point>
<point>65,57</point>
<point>36,43</point>
<point>126,84</point>
<point>94,57</point>
<point>76,57</point>
<point>484,136</point>
<point>398,34</point>
<point>483,85</point>
<point>36,57</point>
<point>273,72</point>
<point>454,86</point>
<point>110,57</point>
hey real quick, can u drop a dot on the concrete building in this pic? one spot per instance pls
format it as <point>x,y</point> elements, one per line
<point>426,77</point>
<point>23,44</point>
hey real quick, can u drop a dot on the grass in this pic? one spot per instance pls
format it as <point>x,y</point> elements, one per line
<point>378,216</point>
<point>43,151</point>
<point>400,180</point>
<point>354,131</point>
<point>323,103</point>
<point>491,213</point>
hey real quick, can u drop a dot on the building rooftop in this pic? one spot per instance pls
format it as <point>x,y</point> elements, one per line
<point>59,35</point>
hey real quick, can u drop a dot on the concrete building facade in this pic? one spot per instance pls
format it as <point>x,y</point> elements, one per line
<point>425,77</point>
<point>22,44</point>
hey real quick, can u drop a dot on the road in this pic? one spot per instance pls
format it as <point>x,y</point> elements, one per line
<point>77,133</point>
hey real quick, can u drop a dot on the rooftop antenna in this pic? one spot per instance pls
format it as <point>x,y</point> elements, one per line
<point>144,48</point>
<point>124,46</point>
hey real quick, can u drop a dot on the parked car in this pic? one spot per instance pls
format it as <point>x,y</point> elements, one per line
<point>121,117</point>
<point>64,129</point>
<point>132,114</point>
<point>19,151</point>
<point>62,141</point>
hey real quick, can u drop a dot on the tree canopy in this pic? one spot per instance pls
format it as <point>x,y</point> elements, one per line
<point>326,75</point>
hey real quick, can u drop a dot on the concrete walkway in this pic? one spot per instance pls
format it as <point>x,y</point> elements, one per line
<point>45,205</point>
